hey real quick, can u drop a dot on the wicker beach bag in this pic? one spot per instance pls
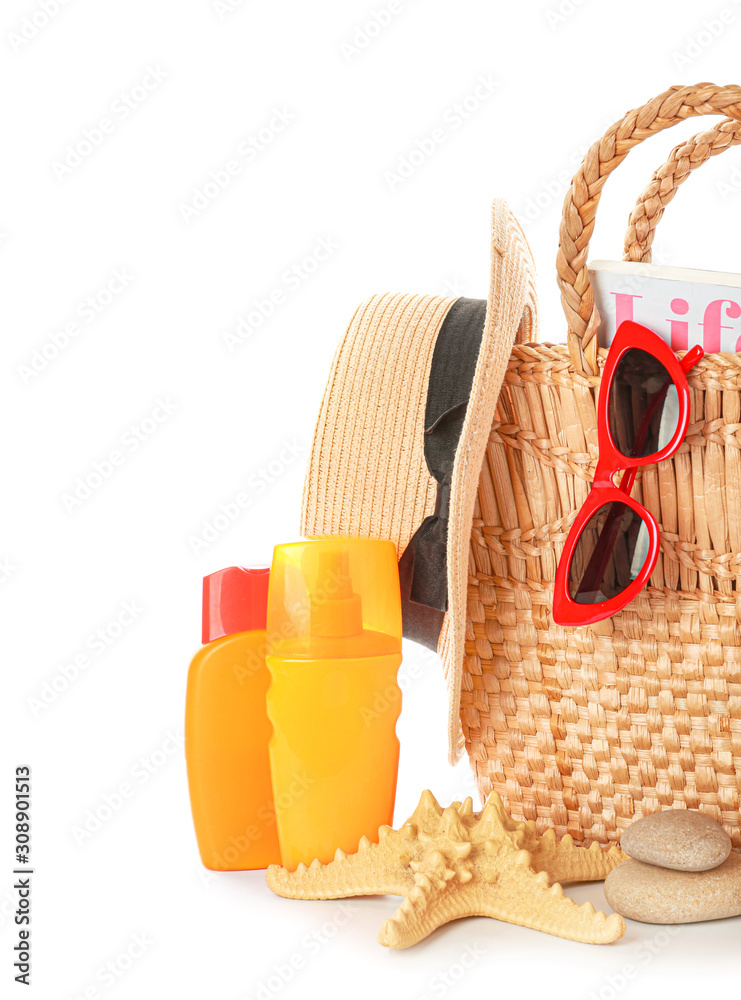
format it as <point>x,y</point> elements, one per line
<point>586,729</point>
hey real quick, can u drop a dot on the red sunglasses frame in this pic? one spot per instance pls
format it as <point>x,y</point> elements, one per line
<point>567,611</point>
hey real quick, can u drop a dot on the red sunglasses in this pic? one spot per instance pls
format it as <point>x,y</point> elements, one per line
<point>642,415</point>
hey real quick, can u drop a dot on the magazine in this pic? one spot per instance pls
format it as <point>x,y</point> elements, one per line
<point>684,306</point>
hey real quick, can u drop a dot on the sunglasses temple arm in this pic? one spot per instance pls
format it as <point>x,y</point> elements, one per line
<point>595,571</point>
<point>594,574</point>
<point>603,549</point>
<point>691,358</point>
<point>688,361</point>
<point>608,536</point>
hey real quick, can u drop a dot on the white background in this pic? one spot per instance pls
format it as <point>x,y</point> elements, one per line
<point>245,416</point>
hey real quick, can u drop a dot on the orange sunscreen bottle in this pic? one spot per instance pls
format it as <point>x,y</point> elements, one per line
<point>227,730</point>
<point>334,627</point>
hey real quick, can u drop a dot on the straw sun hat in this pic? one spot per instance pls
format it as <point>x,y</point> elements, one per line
<point>402,434</point>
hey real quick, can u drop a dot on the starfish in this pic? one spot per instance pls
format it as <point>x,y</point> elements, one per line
<point>454,862</point>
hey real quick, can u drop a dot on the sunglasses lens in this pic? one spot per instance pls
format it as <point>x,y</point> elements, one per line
<point>643,409</point>
<point>611,552</point>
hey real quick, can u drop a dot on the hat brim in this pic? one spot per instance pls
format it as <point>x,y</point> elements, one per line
<point>511,317</point>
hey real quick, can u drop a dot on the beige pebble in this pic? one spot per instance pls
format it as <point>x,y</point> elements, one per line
<point>677,838</point>
<point>662,896</point>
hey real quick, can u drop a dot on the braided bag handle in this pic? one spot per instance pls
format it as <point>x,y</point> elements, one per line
<point>665,182</point>
<point>582,199</point>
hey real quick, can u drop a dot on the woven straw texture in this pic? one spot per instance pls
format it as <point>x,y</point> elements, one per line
<point>587,729</point>
<point>371,424</point>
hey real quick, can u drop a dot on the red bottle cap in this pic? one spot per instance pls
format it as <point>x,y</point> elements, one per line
<point>235,600</point>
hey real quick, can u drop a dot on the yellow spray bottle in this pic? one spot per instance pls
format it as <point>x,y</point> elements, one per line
<point>334,651</point>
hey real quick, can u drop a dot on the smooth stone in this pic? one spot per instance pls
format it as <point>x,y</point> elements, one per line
<point>662,896</point>
<point>677,838</point>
